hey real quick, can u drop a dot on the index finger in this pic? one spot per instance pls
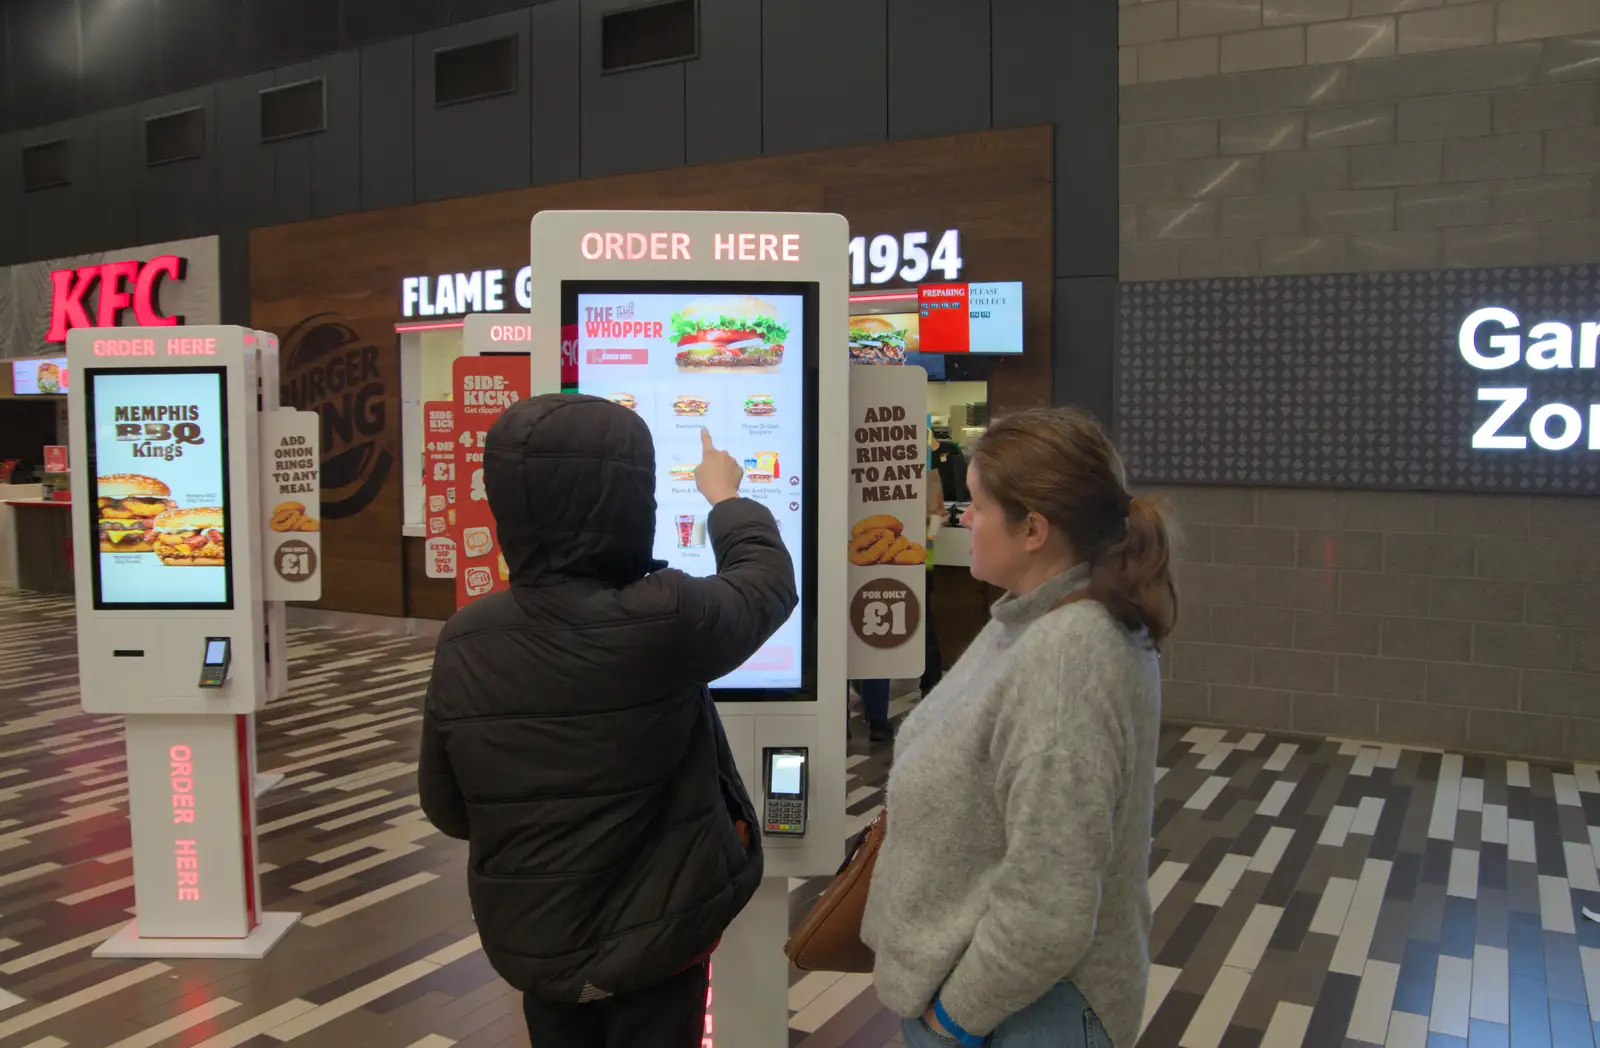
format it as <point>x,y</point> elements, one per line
<point>705,440</point>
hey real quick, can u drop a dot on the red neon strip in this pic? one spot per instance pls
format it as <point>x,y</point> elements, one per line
<point>885,296</point>
<point>442,325</point>
<point>247,812</point>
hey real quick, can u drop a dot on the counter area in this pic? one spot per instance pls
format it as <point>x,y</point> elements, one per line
<point>41,545</point>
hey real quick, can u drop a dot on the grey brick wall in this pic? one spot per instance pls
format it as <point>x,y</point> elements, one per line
<point>1451,621</point>
<point>1308,136</point>
<point>1315,136</point>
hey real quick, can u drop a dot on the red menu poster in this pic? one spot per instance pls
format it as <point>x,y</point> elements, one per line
<point>55,458</point>
<point>439,489</point>
<point>484,388</point>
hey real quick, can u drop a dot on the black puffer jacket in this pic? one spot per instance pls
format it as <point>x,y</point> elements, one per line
<point>568,733</point>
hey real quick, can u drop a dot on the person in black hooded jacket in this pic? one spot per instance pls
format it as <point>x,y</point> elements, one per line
<point>569,736</point>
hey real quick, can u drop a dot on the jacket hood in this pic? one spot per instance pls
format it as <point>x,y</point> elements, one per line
<point>571,482</point>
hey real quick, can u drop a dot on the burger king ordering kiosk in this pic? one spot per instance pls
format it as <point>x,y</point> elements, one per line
<point>196,520</point>
<point>736,322</point>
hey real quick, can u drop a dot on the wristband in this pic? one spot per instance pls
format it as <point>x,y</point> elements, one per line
<point>963,1038</point>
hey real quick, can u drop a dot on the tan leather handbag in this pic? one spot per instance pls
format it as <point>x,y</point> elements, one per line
<point>829,939</point>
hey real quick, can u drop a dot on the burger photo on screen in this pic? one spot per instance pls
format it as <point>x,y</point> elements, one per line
<point>626,400</point>
<point>876,340</point>
<point>190,538</point>
<point>759,404</point>
<point>738,331</point>
<point>688,404</point>
<point>683,472</point>
<point>126,506</point>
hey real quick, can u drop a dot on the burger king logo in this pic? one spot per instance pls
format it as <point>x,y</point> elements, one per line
<point>330,369</point>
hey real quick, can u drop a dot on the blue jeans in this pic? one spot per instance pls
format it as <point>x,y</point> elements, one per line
<point>1059,1019</point>
<point>874,700</point>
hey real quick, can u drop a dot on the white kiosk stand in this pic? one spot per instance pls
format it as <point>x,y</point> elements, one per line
<point>195,512</point>
<point>737,321</point>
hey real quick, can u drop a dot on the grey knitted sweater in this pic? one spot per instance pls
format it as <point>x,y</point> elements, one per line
<point>1019,822</point>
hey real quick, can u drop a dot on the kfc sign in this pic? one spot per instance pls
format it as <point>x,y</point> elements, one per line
<point>122,286</point>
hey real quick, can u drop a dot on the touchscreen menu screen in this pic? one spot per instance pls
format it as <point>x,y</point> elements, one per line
<point>158,459</point>
<point>732,360</point>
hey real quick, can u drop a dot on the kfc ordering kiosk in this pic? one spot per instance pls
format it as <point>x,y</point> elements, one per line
<point>197,518</point>
<point>735,321</point>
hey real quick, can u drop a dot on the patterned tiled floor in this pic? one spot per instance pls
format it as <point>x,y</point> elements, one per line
<point>1309,892</point>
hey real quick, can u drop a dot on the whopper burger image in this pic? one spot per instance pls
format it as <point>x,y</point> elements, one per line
<point>190,538</point>
<point>876,340</point>
<point>689,404</point>
<point>759,404</point>
<point>738,331</point>
<point>127,505</point>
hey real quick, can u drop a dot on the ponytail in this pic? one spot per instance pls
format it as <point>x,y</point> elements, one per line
<point>1132,576</point>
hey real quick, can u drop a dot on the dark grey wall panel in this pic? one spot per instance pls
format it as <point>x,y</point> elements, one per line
<point>198,42</point>
<point>116,156</point>
<point>632,121</point>
<point>1084,315</point>
<point>474,147</point>
<point>44,59</point>
<point>466,10</point>
<point>1056,62</point>
<point>370,21</point>
<point>177,200</point>
<point>291,159</point>
<point>61,221</point>
<point>279,32</point>
<point>388,124</point>
<point>722,90</point>
<point>10,190</point>
<point>824,74</point>
<point>938,67</point>
<point>245,175</point>
<point>553,38</point>
<point>118,39</point>
<point>336,152</point>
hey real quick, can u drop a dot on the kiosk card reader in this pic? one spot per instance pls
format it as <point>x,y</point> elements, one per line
<point>785,779</point>
<point>218,660</point>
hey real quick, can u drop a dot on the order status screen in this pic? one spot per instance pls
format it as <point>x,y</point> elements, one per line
<point>731,360</point>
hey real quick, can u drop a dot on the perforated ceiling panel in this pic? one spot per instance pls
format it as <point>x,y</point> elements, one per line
<point>1355,380</point>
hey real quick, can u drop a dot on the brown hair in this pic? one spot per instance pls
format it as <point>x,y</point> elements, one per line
<point>1059,463</point>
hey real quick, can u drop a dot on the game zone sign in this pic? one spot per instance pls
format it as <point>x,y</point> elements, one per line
<point>122,286</point>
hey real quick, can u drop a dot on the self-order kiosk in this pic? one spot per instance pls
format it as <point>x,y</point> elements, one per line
<point>737,322</point>
<point>194,510</point>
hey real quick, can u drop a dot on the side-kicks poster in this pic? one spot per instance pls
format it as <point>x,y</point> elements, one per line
<point>484,388</point>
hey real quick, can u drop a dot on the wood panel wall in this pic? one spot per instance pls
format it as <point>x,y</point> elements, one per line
<point>331,289</point>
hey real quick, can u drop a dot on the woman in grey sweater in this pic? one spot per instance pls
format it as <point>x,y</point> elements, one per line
<point>1010,906</point>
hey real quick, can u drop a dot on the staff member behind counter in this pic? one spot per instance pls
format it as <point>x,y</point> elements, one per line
<point>568,732</point>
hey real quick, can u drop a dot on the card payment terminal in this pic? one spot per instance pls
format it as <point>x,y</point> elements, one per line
<point>218,659</point>
<point>786,779</point>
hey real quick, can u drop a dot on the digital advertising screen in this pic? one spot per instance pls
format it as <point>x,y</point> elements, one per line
<point>158,459</point>
<point>970,318</point>
<point>739,360</point>
<point>32,378</point>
